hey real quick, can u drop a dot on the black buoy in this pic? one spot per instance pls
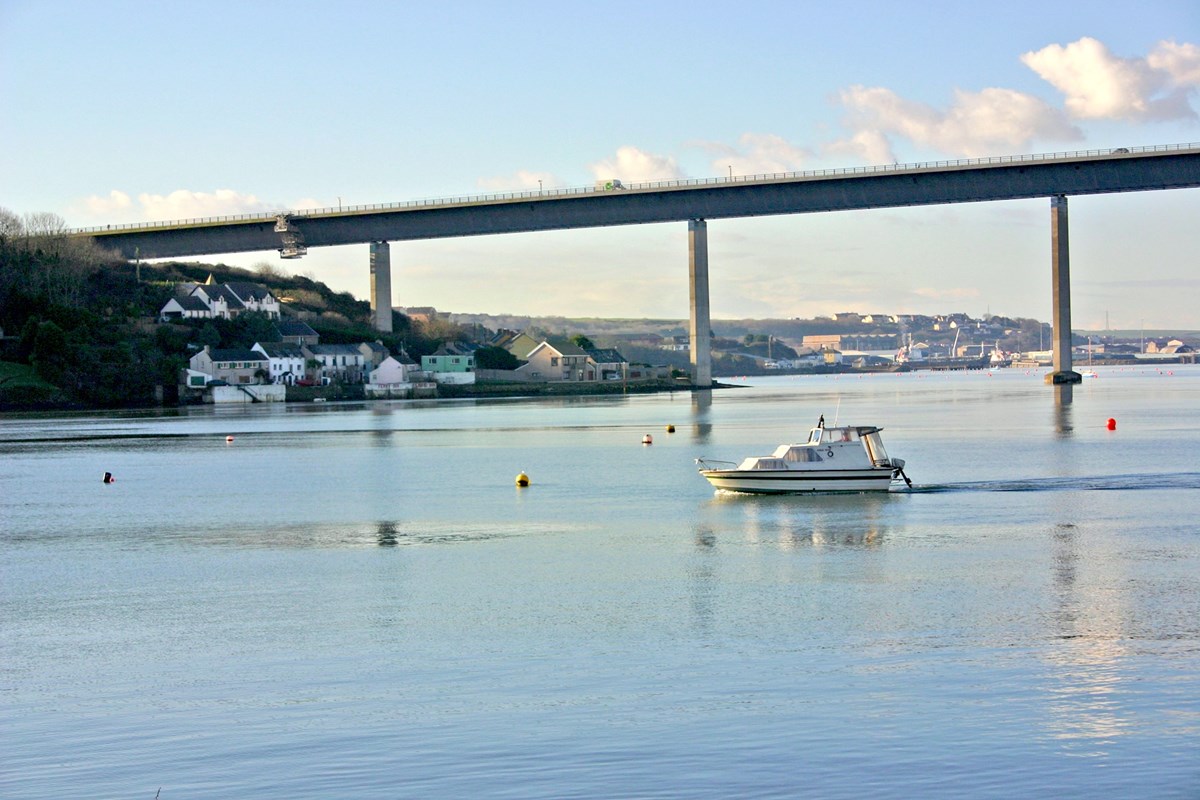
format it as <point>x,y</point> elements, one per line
<point>108,478</point>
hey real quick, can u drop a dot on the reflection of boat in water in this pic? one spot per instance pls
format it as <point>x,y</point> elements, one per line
<point>839,459</point>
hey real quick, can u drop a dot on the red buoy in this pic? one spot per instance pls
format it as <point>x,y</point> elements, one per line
<point>1112,424</point>
<point>229,438</point>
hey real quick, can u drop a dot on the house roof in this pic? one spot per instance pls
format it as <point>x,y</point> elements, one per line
<point>235,354</point>
<point>249,291</point>
<point>606,355</point>
<point>455,349</point>
<point>295,327</point>
<point>191,303</point>
<point>335,349</point>
<point>215,291</point>
<point>565,346</point>
<point>281,349</point>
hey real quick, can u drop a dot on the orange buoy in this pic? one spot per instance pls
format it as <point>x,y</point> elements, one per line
<point>1112,424</point>
<point>647,439</point>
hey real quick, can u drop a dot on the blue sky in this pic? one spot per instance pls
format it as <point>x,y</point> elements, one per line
<point>127,111</point>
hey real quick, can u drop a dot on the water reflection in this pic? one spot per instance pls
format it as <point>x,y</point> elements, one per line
<point>1064,395</point>
<point>701,403</point>
<point>1085,656</point>
<point>798,521</point>
<point>386,534</point>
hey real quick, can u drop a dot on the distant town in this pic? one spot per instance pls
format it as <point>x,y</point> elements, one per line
<point>482,353</point>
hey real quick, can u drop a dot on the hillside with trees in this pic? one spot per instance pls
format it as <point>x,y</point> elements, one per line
<point>81,330</point>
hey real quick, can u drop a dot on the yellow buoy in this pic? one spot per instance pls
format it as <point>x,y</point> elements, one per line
<point>670,429</point>
<point>522,479</point>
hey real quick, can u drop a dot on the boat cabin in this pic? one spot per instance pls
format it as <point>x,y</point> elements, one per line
<point>848,447</point>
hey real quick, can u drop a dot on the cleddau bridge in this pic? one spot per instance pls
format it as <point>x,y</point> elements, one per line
<point>1055,176</point>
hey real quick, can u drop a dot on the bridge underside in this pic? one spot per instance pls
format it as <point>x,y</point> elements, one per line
<point>723,200</point>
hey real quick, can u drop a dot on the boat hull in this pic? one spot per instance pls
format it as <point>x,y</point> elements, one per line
<point>787,481</point>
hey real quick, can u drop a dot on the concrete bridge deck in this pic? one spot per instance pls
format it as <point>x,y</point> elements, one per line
<point>970,180</point>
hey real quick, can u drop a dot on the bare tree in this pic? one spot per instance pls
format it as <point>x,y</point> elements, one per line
<point>11,226</point>
<point>268,270</point>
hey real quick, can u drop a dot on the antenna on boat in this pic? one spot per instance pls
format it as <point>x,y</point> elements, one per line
<point>837,411</point>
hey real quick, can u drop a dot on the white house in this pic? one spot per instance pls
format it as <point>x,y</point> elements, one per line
<point>392,372</point>
<point>226,301</point>
<point>186,307</point>
<point>286,361</point>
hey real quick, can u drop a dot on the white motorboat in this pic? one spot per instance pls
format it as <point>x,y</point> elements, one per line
<point>837,459</point>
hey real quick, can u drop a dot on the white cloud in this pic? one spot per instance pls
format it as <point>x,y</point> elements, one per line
<point>115,203</point>
<point>976,124</point>
<point>118,206</point>
<point>1180,61</point>
<point>186,204</point>
<point>521,181</point>
<point>756,154</point>
<point>632,165</point>
<point>1100,85</point>
<point>870,146</point>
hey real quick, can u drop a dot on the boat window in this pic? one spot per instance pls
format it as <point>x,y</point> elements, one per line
<point>801,455</point>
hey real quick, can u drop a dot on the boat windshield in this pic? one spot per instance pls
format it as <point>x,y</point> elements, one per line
<point>875,448</point>
<point>837,434</point>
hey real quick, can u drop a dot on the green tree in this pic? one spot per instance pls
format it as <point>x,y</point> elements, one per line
<point>583,342</point>
<point>51,355</point>
<point>209,335</point>
<point>495,358</point>
<point>28,338</point>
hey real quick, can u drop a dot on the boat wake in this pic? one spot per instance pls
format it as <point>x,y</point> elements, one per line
<point>1167,480</point>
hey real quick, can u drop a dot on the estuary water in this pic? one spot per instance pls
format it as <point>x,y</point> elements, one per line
<point>352,600</point>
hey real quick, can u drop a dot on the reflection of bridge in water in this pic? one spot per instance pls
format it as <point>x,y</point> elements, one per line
<point>1055,176</point>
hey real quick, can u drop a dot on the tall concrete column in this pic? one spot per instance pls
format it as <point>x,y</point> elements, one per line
<point>700,326</point>
<point>381,286</point>
<point>1060,258</point>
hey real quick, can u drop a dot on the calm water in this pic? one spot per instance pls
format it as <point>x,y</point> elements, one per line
<point>355,601</point>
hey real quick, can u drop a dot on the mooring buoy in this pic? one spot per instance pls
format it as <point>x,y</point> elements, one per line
<point>522,479</point>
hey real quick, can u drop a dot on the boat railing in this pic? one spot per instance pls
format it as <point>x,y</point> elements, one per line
<point>709,463</point>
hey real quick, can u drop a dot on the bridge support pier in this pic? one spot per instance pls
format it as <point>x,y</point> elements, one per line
<point>381,286</point>
<point>699,325</point>
<point>1060,268</point>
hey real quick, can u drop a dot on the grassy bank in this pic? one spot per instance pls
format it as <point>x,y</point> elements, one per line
<point>21,388</point>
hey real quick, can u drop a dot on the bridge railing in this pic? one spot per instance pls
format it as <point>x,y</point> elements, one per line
<point>683,183</point>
